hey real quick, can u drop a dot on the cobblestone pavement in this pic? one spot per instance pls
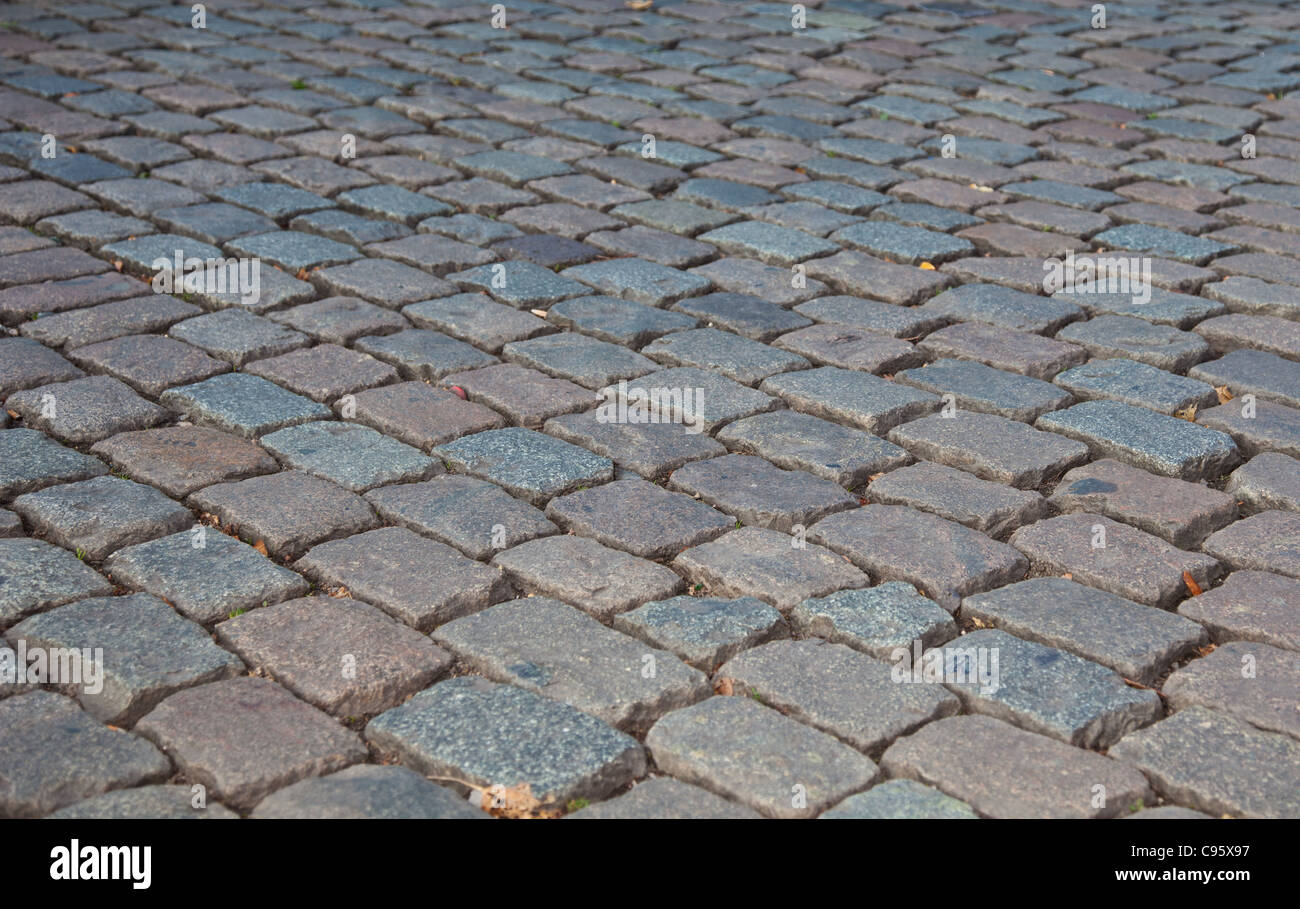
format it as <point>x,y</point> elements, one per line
<point>906,530</point>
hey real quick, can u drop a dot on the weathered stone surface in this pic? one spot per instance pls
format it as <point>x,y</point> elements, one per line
<point>1002,771</point>
<point>866,401</point>
<point>416,580</point>
<point>205,574</point>
<point>39,575</point>
<point>527,464</point>
<point>181,459</point>
<point>742,750</point>
<point>991,447</point>
<point>30,460</point>
<point>85,410</point>
<point>769,565</point>
<point>1269,480</point>
<point>579,571</point>
<point>757,493</point>
<point>876,621</point>
<point>472,515</point>
<point>245,405</point>
<point>957,496</point>
<point>900,800</point>
<point>545,646</point>
<point>1152,441</point>
<point>98,516</point>
<point>799,441</point>
<point>1252,682</point>
<point>1045,690</point>
<point>287,512</point>
<point>835,689</point>
<point>158,802</point>
<point>704,631</point>
<point>346,657</point>
<point>1216,764</point>
<point>1114,557</point>
<point>638,517</point>
<point>1182,513</point>
<point>367,792</point>
<point>355,457</point>
<point>651,450</point>
<point>149,652</point>
<point>663,797</point>
<point>244,738</point>
<point>493,735</point>
<point>1249,606</point>
<point>1268,541</point>
<point>53,754</point>
<point>1136,641</point>
<point>974,386</point>
<point>945,561</point>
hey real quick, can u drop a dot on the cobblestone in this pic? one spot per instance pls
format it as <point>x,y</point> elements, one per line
<point>480,247</point>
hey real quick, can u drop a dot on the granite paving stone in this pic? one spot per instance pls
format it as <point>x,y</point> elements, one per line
<point>525,463</point>
<point>1256,426</point>
<point>153,652</point>
<point>737,748</point>
<point>622,322</point>
<point>548,647</point>
<point>1268,541</point>
<point>850,396</point>
<point>1216,764</point>
<point>1002,771</point>
<point>418,414</point>
<point>40,575</point>
<point>367,792</point>
<point>355,457</point>
<point>55,754</point>
<point>1142,438</point>
<point>85,410</point>
<point>1002,348</point>
<point>98,516</point>
<point>704,631</point>
<point>1045,690</point>
<point>1181,512</point>
<point>608,255</point>
<point>1138,384</point>
<point>205,574</point>
<point>757,493</point>
<point>156,802</point>
<point>1269,480</point>
<point>1114,557</point>
<point>798,441</point>
<point>900,800</point>
<point>778,568</point>
<point>984,389</point>
<point>1248,681</point>
<point>957,496</point>
<point>639,517</point>
<point>419,581</point>
<point>237,336</point>
<point>838,690</point>
<point>584,573</point>
<point>944,560</point>
<point>991,447</point>
<point>498,737</point>
<point>1138,642</point>
<point>31,460</point>
<point>344,656</point>
<point>243,404</point>
<point>663,797</point>
<point>876,621</point>
<point>243,738</point>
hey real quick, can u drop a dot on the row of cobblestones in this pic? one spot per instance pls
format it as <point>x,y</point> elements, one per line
<point>385,531</point>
